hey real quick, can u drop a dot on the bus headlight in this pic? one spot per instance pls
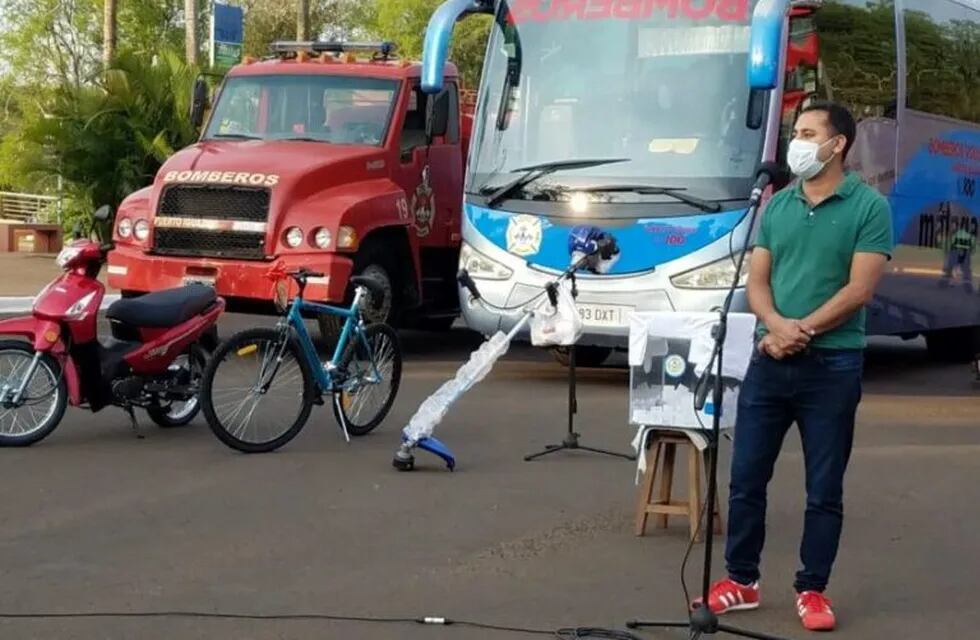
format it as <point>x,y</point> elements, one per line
<point>480,266</point>
<point>714,275</point>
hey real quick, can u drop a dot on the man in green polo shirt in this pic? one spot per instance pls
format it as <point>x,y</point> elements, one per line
<point>822,246</point>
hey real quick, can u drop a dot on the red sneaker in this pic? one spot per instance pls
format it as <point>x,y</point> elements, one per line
<point>727,595</point>
<point>815,612</point>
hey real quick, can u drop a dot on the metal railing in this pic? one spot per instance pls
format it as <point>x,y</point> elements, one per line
<point>29,207</point>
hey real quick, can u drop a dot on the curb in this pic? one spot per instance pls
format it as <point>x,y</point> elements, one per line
<point>24,304</point>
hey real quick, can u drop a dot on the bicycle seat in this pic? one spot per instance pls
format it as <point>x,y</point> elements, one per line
<point>163,309</point>
<point>372,285</point>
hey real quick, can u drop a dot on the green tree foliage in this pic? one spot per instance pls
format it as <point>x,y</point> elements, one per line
<point>105,139</point>
<point>405,21</point>
<point>103,133</point>
<point>266,22</point>
<point>858,52</point>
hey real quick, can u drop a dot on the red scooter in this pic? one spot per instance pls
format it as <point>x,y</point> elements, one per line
<point>154,360</point>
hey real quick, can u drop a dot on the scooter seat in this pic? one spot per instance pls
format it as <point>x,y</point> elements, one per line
<point>163,309</point>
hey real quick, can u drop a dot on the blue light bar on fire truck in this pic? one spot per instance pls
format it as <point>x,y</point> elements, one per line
<point>382,49</point>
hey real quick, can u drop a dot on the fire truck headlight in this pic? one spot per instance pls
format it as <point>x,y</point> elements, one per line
<point>322,238</point>
<point>125,228</point>
<point>346,238</point>
<point>141,230</point>
<point>293,237</point>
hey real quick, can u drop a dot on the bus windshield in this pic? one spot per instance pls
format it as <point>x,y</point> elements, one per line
<point>662,84</point>
<point>320,108</point>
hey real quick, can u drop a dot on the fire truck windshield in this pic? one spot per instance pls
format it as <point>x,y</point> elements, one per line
<point>662,84</point>
<point>320,108</point>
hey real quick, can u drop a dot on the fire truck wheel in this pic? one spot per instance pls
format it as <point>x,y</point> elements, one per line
<point>330,326</point>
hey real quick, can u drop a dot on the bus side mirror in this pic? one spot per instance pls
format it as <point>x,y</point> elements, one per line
<point>756,111</point>
<point>199,102</point>
<point>437,116</point>
<point>766,43</point>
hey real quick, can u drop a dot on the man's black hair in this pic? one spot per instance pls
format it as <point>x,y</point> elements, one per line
<point>840,119</point>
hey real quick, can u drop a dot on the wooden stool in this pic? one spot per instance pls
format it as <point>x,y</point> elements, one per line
<point>661,453</point>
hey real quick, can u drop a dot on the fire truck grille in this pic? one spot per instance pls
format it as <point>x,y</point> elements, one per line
<point>211,244</point>
<point>212,203</point>
<point>215,202</point>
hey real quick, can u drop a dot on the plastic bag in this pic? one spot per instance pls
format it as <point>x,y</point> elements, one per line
<point>557,326</point>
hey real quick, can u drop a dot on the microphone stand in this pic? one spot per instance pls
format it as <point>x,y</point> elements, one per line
<point>571,439</point>
<point>702,620</point>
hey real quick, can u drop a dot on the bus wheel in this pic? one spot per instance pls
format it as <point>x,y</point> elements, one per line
<point>585,356</point>
<point>953,345</point>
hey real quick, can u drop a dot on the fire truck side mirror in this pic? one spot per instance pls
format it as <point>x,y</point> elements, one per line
<point>199,102</point>
<point>437,116</point>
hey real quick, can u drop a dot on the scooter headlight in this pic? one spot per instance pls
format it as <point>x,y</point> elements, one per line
<point>67,256</point>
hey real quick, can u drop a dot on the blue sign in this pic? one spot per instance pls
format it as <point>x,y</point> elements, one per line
<point>227,30</point>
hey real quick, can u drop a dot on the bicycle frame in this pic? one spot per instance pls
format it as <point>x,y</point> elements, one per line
<point>324,372</point>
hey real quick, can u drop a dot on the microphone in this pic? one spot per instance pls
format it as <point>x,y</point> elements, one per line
<point>768,173</point>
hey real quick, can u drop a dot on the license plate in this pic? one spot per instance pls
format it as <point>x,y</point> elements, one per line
<point>603,315</point>
<point>198,280</point>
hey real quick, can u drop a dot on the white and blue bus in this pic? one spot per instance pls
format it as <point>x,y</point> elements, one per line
<point>649,118</point>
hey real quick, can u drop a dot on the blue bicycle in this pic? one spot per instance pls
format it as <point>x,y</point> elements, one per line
<point>261,384</point>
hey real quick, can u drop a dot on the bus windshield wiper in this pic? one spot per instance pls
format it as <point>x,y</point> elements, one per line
<point>644,190</point>
<point>538,171</point>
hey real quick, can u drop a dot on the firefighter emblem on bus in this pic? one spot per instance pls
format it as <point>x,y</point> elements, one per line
<point>524,234</point>
<point>424,206</point>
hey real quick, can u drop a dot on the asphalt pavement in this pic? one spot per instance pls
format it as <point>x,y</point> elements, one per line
<point>93,519</point>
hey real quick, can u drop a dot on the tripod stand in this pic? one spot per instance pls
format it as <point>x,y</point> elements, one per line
<point>702,620</point>
<point>571,437</point>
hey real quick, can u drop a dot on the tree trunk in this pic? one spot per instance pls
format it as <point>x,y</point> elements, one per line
<point>303,20</point>
<point>109,32</point>
<point>190,31</point>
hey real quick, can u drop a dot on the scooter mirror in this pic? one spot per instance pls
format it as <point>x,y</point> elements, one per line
<point>102,214</point>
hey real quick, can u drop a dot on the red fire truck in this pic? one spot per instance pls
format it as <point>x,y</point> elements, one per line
<point>324,155</point>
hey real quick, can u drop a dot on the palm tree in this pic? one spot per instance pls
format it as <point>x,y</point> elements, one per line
<point>190,28</point>
<point>109,32</point>
<point>303,20</point>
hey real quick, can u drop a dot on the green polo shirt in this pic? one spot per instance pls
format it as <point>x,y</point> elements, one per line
<point>812,249</point>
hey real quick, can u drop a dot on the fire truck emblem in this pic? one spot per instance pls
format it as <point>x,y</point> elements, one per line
<point>424,206</point>
<point>524,235</point>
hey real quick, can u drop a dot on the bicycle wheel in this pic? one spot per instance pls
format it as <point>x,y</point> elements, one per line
<point>257,391</point>
<point>372,379</point>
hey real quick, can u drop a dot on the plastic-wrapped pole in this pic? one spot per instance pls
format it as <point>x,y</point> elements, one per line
<point>481,361</point>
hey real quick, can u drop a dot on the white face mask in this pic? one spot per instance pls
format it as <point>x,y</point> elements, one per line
<point>803,159</point>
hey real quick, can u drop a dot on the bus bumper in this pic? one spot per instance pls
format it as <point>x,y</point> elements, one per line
<point>604,302</point>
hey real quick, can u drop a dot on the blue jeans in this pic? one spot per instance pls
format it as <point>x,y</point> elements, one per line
<point>820,391</point>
